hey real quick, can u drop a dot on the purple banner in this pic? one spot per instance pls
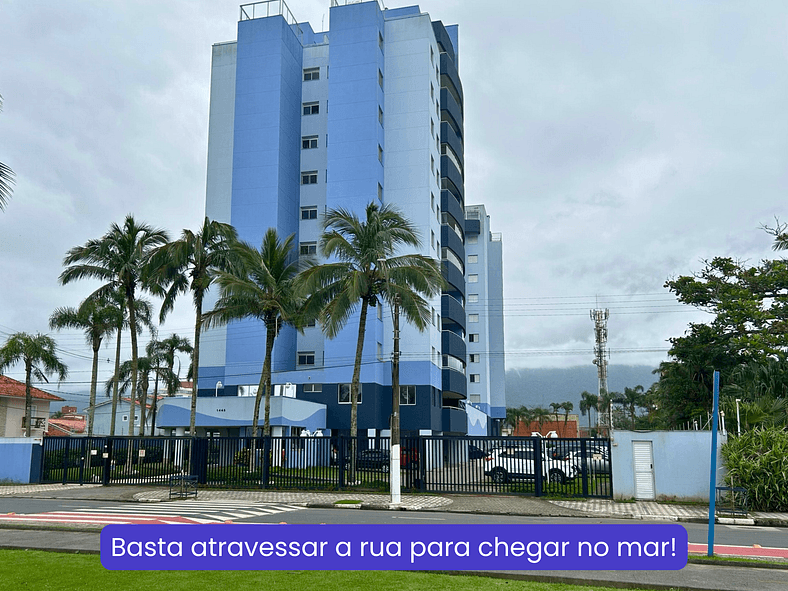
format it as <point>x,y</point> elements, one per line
<point>394,547</point>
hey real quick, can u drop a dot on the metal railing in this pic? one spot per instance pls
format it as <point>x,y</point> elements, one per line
<point>346,2</point>
<point>437,464</point>
<point>268,8</point>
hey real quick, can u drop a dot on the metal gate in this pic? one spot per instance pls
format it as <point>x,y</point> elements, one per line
<point>486,465</point>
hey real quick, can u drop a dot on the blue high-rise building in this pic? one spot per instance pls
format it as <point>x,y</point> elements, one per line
<point>304,121</point>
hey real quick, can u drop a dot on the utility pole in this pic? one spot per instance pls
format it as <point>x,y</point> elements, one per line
<point>394,473</point>
<point>601,355</point>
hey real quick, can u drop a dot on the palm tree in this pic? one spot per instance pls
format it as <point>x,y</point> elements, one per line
<point>118,258</point>
<point>568,407</point>
<point>262,286</point>
<point>540,415</point>
<point>630,400</point>
<point>6,177</point>
<point>191,264</point>
<point>98,320</point>
<point>140,396</point>
<point>588,402</point>
<point>164,353</point>
<point>38,354</point>
<point>143,312</point>
<point>366,270</point>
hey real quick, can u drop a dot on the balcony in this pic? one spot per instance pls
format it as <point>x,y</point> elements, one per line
<point>454,420</point>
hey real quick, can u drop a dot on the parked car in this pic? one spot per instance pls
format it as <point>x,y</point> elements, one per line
<point>476,453</point>
<point>597,460</point>
<point>517,463</point>
<point>379,459</point>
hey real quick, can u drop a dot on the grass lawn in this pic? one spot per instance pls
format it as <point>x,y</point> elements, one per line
<point>30,569</point>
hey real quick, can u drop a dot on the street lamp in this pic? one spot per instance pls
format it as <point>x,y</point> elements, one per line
<point>394,451</point>
<point>218,385</point>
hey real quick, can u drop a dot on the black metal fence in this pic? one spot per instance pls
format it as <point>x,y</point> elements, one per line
<point>488,465</point>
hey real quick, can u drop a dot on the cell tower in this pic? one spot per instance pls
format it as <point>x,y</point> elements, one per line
<point>601,355</point>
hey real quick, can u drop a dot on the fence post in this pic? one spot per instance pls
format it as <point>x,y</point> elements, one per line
<point>422,463</point>
<point>107,461</point>
<point>65,459</point>
<point>266,461</point>
<point>537,466</point>
<point>82,461</point>
<point>584,465</point>
<point>341,443</point>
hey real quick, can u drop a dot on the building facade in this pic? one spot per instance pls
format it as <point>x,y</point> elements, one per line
<point>304,121</point>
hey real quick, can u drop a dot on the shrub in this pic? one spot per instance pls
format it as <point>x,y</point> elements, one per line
<point>758,461</point>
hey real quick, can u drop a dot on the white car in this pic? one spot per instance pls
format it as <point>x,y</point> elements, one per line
<point>517,463</point>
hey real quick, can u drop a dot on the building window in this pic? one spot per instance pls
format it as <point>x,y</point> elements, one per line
<point>432,54</point>
<point>306,358</point>
<point>472,239</point>
<point>432,239</point>
<point>344,393</point>
<point>309,177</point>
<point>473,318</point>
<point>407,395</point>
<point>476,398</point>
<point>380,116</point>
<point>309,213</point>
<point>125,418</point>
<point>380,40</point>
<point>432,127</point>
<point>311,74</point>
<point>311,323</point>
<point>379,351</point>
<point>475,378</point>
<point>380,192</point>
<point>432,91</point>
<point>432,202</point>
<point>311,108</point>
<point>473,298</point>
<point>473,258</point>
<point>432,163</point>
<point>380,78</point>
<point>433,316</point>
<point>380,311</point>
<point>307,248</point>
<point>473,337</point>
<point>313,387</point>
<point>309,142</point>
<point>473,278</point>
<point>380,154</point>
<point>473,358</point>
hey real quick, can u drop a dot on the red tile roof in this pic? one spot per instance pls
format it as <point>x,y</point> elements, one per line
<point>66,425</point>
<point>10,387</point>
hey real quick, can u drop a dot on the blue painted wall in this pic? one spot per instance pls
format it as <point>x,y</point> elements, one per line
<point>21,460</point>
<point>682,463</point>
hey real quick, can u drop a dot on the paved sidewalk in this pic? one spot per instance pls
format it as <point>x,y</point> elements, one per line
<point>666,511</point>
<point>482,504</point>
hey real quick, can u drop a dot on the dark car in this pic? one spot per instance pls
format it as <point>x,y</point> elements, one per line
<point>374,459</point>
<point>476,453</point>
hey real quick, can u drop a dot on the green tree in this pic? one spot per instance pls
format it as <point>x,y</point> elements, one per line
<point>119,258</point>
<point>191,264</point>
<point>164,353</point>
<point>6,177</point>
<point>37,353</point>
<point>262,286</point>
<point>588,402</point>
<point>631,399</point>
<point>366,270</point>
<point>98,320</point>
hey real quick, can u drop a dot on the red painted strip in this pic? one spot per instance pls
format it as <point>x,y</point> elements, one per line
<point>740,551</point>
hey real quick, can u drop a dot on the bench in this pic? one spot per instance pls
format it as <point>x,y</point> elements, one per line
<point>183,486</point>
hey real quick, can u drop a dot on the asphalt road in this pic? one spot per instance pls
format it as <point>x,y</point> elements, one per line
<point>734,535</point>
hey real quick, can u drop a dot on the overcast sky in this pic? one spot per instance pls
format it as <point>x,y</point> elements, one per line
<point>614,143</point>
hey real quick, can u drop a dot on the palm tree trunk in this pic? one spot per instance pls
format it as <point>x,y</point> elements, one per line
<point>115,385</point>
<point>28,398</point>
<point>354,385</point>
<point>134,361</point>
<point>263,389</point>
<point>195,361</point>
<point>155,403</point>
<point>93,380</point>
<point>143,404</point>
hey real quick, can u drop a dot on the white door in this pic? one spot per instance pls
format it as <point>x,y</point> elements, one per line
<point>644,470</point>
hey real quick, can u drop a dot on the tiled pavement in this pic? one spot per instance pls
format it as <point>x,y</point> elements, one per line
<point>484,504</point>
